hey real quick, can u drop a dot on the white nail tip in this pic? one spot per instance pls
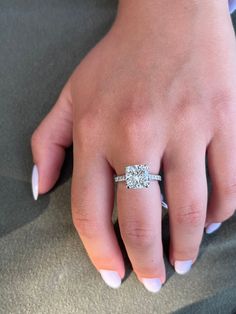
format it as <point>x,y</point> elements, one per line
<point>213,227</point>
<point>182,267</point>
<point>164,204</point>
<point>111,278</point>
<point>152,284</point>
<point>35,182</point>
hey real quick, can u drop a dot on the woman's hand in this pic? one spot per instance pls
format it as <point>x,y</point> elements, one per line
<point>158,89</point>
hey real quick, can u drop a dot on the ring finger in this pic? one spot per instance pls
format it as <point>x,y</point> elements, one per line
<point>139,215</point>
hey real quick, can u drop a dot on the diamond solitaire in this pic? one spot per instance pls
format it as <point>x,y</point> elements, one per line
<point>137,177</point>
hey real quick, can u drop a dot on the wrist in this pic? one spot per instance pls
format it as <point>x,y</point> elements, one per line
<point>155,6</point>
<point>154,12</point>
<point>167,17</point>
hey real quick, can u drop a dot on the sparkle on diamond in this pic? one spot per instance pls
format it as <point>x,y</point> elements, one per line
<point>137,177</point>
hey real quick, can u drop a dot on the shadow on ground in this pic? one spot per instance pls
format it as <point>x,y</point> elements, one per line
<point>20,208</point>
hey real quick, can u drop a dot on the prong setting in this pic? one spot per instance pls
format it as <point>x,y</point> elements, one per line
<point>137,177</point>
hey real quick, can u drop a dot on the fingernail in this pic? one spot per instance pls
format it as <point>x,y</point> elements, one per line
<point>111,278</point>
<point>35,182</point>
<point>152,284</point>
<point>182,267</point>
<point>213,227</point>
<point>163,203</point>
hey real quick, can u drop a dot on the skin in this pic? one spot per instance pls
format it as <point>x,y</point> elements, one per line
<point>158,89</point>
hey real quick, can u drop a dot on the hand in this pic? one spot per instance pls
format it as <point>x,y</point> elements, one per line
<point>157,91</point>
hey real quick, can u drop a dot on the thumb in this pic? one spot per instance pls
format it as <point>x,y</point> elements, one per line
<point>48,143</point>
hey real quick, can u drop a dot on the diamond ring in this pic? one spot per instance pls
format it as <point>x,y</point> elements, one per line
<point>137,177</point>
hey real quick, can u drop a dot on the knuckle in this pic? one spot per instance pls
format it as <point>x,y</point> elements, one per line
<point>132,120</point>
<point>86,224</point>
<point>189,215</point>
<point>138,234</point>
<point>223,97</point>
<point>85,122</point>
<point>228,190</point>
<point>223,104</point>
<point>87,129</point>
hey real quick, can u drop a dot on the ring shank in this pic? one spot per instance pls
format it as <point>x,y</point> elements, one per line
<point>152,177</point>
<point>120,178</point>
<point>155,177</point>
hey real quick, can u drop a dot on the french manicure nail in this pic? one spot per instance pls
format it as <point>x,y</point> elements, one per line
<point>152,284</point>
<point>35,182</point>
<point>182,267</point>
<point>111,278</point>
<point>213,227</point>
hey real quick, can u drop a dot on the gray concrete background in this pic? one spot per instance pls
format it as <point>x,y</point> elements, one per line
<point>43,265</point>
